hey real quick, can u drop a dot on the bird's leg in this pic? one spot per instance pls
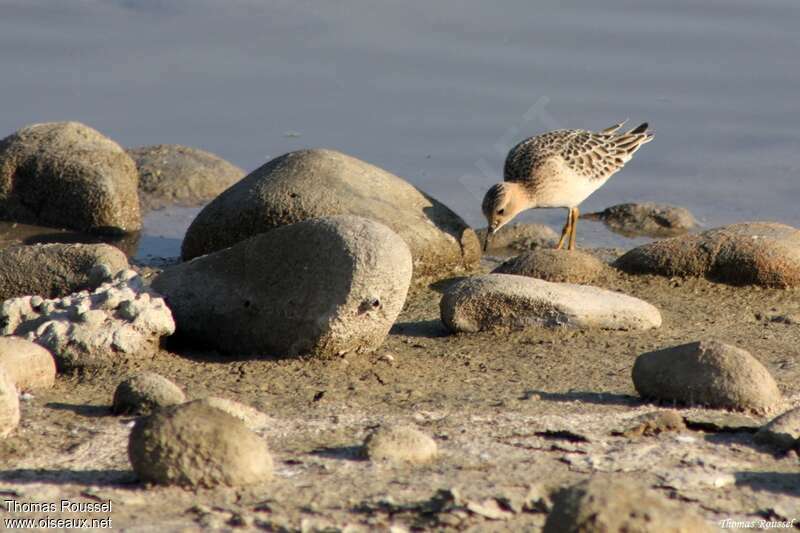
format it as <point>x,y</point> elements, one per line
<point>573,213</point>
<point>565,231</point>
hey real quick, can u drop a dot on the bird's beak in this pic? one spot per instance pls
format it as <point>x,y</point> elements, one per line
<point>489,233</point>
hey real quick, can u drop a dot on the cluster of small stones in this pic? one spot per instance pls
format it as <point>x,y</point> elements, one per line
<point>89,329</point>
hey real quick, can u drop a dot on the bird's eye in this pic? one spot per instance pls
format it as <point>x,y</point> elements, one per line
<point>501,211</point>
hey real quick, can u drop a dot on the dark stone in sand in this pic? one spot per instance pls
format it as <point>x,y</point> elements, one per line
<point>144,393</point>
<point>174,174</point>
<point>55,270</point>
<point>195,445</point>
<point>758,253</point>
<point>706,373</point>
<point>315,183</point>
<point>571,266</point>
<point>66,174</point>
<point>606,505</point>
<point>318,287</point>
<point>646,219</point>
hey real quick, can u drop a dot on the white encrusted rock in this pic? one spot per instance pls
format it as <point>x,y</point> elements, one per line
<point>122,318</point>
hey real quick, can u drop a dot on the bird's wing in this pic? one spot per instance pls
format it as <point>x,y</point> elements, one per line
<point>599,155</point>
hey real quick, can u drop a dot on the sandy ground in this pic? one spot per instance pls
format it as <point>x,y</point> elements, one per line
<point>532,410</point>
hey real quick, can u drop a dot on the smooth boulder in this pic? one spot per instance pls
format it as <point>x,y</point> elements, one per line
<point>29,366</point>
<point>66,174</point>
<point>782,432</point>
<point>55,270</point>
<point>749,253</point>
<point>195,445</point>
<point>317,183</point>
<point>145,393</point>
<point>520,237</point>
<point>318,287</point>
<point>646,219</point>
<point>173,174</point>
<point>507,301</point>
<point>608,505</point>
<point>570,266</point>
<point>706,373</point>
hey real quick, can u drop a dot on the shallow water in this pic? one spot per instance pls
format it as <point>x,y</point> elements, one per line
<point>435,93</point>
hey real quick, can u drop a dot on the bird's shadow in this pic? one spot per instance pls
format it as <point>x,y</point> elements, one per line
<point>69,477</point>
<point>600,398</point>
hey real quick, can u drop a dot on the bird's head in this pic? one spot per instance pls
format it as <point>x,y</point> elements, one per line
<point>503,201</point>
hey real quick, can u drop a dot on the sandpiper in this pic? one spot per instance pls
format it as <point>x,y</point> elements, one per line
<point>560,168</point>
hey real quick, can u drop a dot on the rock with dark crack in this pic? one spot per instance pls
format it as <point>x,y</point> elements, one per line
<point>706,373</point>
<point>782,432</point>
<point>320,287</point>
<point>171,174</point>
<point>66,174</point>
<point>9,404</point>
<point>55,270</point>
<point>757,253</point>
<point>571,266</point>
<point>520,237</point>
<point>506,301</point>
<point>30,366</point>
<point>609,505</point>
<point>196,445</point>
<point>145,393</point>
<point>646,219</point>
<point>317,183</point>
<point>400,444</point>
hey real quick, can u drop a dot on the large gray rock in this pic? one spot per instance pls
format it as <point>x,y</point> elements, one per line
<point>758,253</point>
<point>606,505</point>
<point>706,373</point>
<point>174,174</point>
<point>119,320</point>
<point>66,174</point>
<point>507,301</point>
<point>317,183</point>
<point>29,366</point>
<point>320,287</point>
<point>571,266</point>
<point>782,432</point>
<point>53,270</point>
<point>648,219</point>
<point>196,445</point>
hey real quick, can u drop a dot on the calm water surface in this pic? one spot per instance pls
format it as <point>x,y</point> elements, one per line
<point>435,92</point>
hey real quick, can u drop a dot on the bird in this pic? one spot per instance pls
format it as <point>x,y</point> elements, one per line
<point>560,168</point>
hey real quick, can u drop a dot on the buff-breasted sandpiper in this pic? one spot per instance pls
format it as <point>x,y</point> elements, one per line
<point>559,169</point>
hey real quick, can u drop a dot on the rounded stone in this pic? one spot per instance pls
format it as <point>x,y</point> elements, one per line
<point>144,393</point>
<point>646,219</point>
<point>9,404</point>
<point>505,301</point>
<point>749,253</point>
<point>318,183</point>
<point>319,287</point>
<point>196,445</point>
<point>400,444</point>
<point>54,270</point>
<point>782,432</point>
<point>174,174</point>
<point>571,266</point>
<point>66,174</point>
<point>252,417</point>
<point>706,373</point>
<point>605,505</point>
<point>520,236</point>
<point>29,366</point>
